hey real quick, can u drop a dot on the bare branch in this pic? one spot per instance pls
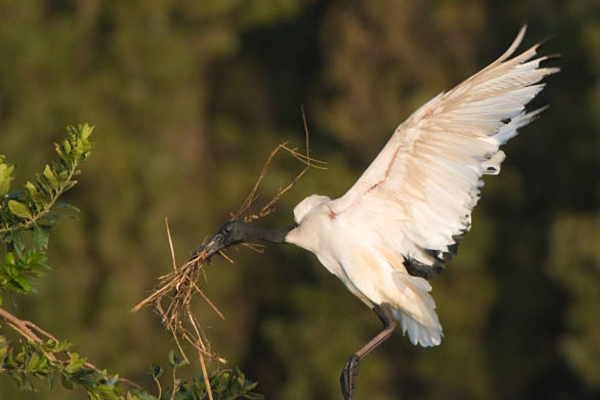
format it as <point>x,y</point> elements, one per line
<point>28,329</point>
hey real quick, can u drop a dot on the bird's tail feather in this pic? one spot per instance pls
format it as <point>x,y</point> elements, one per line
<point>416,313</point>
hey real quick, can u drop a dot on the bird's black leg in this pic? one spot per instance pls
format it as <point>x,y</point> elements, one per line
<point>350,371</point>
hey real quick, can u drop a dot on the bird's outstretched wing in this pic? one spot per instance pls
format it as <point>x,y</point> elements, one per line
<point>421,188</point>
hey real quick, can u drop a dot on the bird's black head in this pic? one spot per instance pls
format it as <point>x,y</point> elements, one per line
<point>234,232</point>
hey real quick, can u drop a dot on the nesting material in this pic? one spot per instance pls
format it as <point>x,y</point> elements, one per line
<point>173,298</point>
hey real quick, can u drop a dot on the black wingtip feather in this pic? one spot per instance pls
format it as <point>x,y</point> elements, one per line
<point>426,271</point>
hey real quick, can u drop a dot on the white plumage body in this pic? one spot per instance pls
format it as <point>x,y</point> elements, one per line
<point>416,198</point>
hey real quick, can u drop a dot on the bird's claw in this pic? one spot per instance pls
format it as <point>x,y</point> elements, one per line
<point>348,378</point>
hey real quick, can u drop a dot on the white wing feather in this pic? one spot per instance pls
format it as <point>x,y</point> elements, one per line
<point>425,182</point>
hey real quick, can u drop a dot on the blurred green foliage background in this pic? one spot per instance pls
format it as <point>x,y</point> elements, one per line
<point>188,99</point>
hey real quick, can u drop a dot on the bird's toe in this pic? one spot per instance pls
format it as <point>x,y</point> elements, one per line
<point>348,378</point>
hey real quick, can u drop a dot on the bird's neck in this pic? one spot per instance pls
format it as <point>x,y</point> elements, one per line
<point>268,235</point>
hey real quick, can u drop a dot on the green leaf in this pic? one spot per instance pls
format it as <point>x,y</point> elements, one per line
<point>49,174</point>
<point>34,195</point>
<point>23,283</point>
<point>66,382</point>
<point>173,359</point>
<point>68,208</point>
<point>32,363</point>
<point>3,347</point>
<point>9,259</point>
<point>75,363</point>
<point>40,237</point>
<point>155,370</point>
<point>54,346</point>
<point>67,147</point>
<point>5,176</point>
<point>19,209</point>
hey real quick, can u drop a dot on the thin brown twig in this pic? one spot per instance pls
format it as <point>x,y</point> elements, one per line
<point>257,247</point>
<point>306,133</point>
<point>153,297</point>
<point>201,355</point>
<point>210,303</point>
<point>171,244</point>
<point>252,196</point>
<point>24,328</point>
<point>225,256</point>
<point>268,208</point>
<point>205,373</point>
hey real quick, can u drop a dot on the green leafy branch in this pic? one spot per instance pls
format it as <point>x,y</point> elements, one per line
<point>34,358</point>
<point>37,205</point>
<point>27,216</point>
<point>223,385</point>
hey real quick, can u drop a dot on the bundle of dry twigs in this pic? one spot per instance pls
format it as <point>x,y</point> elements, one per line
<point>173,298</point>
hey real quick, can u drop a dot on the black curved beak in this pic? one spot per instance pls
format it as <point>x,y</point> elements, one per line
<point>211,247</point>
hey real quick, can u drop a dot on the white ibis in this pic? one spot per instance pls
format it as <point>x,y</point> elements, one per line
<point>392,231</point>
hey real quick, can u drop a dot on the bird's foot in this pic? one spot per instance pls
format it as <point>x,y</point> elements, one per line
<point>348,378</point>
